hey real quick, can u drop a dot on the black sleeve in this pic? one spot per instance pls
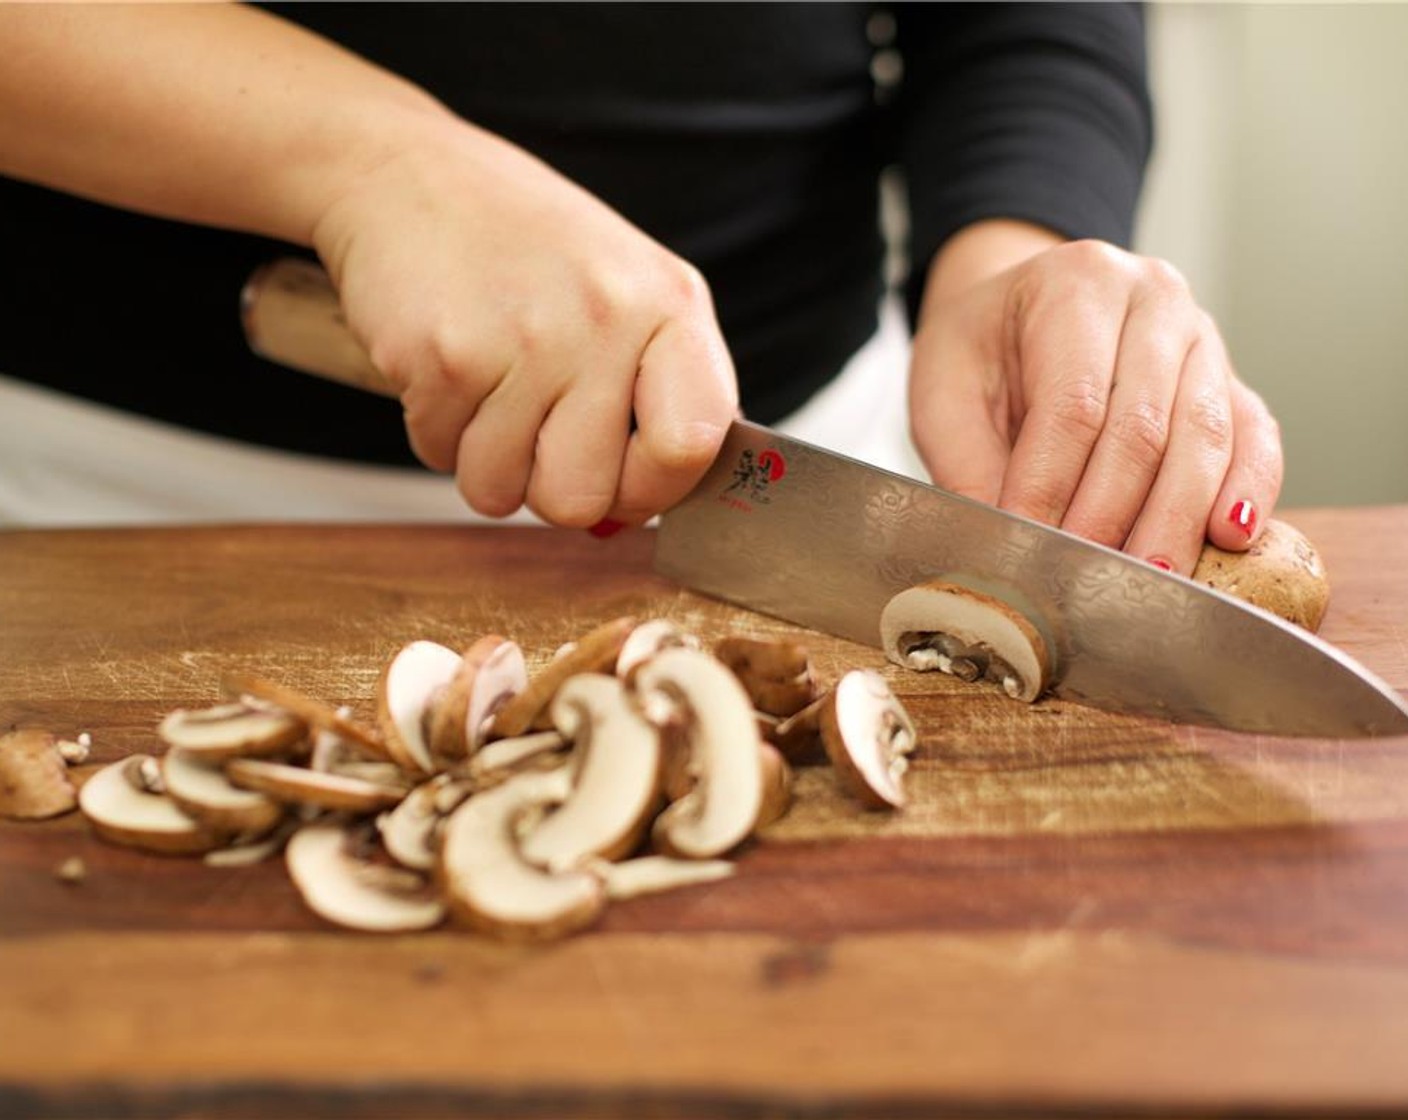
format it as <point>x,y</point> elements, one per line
<point>1036,111</point>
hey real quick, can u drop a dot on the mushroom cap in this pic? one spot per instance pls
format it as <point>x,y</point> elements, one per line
<point>1282,573</point>
<point>334,884</point>
<point>868,734</point>
<point>646,640</point>
<point>34,781</point>
<point>595,652</point>
<point>492,887</point>
<point>123,814</point>
<point>722,739</point>
<point>313,712</point>
<point>417,672</point>
<point>973,618</point>
<point>202,791</point>
<point>616,775</point>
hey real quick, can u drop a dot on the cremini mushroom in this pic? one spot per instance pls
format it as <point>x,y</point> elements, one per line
<point>967,633</point>
<point>775,672</point>
<point>492,672</point>
<point>777,785</point>
<point>418,672</point>
<point>595,652</point>
<point>123,814</point>
<point>241,728</point>
<point>314,713</point>
<point>203,792</point>
<point>410,830</point>
<point>297,785</point>
<point>868,737</point>
<point>646,640</point>
<point>616,775</point>
<point>653,874</point>
<point>719,733</point>
<point>505,757</point>
<point>34,781</point>
<point>1282,573</point>
<point>488,882</point>
<point>348,890</point>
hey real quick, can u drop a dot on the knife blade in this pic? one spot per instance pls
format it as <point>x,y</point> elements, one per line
<point>823,541</point>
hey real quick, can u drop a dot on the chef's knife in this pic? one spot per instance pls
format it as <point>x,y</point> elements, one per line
<point>792,530</point>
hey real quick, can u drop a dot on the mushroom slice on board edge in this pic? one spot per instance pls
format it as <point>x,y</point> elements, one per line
<point>616,775</point>
<point>411,679</point>
<point>242,728</point>
<point>868,737</point>
<point>34,781</point>
<point>348,890</point>
<point>122,814</point>
<point>968,634</point>
<point>203,792</point>
<point>720,735</point>
<point>491,886</point>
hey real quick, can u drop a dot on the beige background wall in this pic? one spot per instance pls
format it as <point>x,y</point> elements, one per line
<point>1280,188</point>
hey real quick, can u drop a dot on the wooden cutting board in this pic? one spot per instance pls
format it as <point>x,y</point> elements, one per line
<point>1080,913</point>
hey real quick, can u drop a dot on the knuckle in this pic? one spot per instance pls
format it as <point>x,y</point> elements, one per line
<point>1164,278</point>
<point>686,286</point>
<point>1141,434</point>
<point>1091,256</point>
<point>1210,420</point>
<point>1080,409</point>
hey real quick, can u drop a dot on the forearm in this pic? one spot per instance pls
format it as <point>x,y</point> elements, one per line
<point>222,115</point>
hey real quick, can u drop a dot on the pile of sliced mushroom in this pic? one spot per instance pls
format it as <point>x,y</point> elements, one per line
<point>519,806</point>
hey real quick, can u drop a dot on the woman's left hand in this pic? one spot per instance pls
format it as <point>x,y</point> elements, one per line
<point>1082,386</point>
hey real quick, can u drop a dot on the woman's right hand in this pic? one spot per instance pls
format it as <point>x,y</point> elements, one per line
<point>526,326</point>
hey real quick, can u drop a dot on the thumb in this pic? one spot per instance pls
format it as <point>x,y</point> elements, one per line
<point>686,395</point>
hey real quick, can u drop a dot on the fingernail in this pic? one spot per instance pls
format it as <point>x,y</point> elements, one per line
<point>1243,518</point>
<point>1160,563</point>
<point>606,528</point>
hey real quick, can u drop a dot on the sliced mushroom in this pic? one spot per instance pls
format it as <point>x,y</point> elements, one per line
<point>653,874</point>
<point>242,853</point>
<point>491,674</point>
<point>504,757</point>
<point>349,891</point>
<point>715,717</point>
<point>492,887</point>
<point>616,771</point>
<point>868,737</point>
<point>776,673</point>
<point>243,728</point>
<point>152,821</point>
<point>594,653</point>
<point>203,792</point>
<point>777,785</point>
<point>798,736</point>
<point>297,785</point>
<point>316,714</point>
<point>410,680</point>
<point>34,780</point>
<point>409,831</point>
<point>646,640</point>
<point>971,635</point>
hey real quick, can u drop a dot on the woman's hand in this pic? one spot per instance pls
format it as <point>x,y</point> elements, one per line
<point>1082,386</point>
<point>526,325</point>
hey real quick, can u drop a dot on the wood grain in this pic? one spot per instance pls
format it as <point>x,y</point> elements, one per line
<point>1080,914</point>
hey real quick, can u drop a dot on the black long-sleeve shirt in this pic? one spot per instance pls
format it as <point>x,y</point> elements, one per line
<point>748,138</point>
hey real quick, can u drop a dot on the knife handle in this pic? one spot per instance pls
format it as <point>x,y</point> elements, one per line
<point>292,315</point>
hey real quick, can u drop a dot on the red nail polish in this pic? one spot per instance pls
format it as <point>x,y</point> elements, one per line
<point>606,528</point>
<point>1160,563</point>
<point>1243,518</point>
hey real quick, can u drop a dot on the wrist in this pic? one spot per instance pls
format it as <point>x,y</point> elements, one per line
<point>980,251</point>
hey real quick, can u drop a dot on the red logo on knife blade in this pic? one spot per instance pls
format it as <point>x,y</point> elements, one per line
<point>753,474</point>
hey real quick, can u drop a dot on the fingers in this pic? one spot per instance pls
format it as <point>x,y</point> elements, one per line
<point>1067,339</point>
<point>686,395</point>
<point>1172,525</point>
<point>1157,333</point>
<point>1253,483</point>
